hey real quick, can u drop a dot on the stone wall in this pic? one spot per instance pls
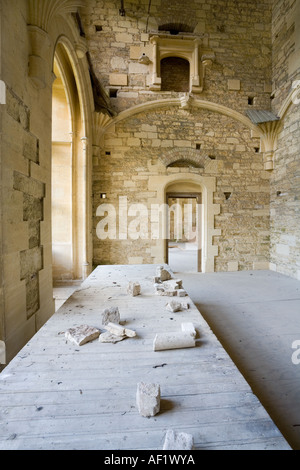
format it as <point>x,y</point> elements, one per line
<point>137,150</point>
<point>236,38</point>
<point>30,31</point>
<point>285,183</point>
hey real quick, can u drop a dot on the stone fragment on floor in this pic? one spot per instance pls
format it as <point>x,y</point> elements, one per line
<point>108,337</point>
<point>178,441</point>
<point>176,340</point>
<point>82,334</point>
<point>134,288</point>
<point>148,399</point>
<point>162,274</point>
<point>175,306</point>
<point>189,328</point>
<point>111,315</point>
<point>119,330</point>
<point>172,284</point>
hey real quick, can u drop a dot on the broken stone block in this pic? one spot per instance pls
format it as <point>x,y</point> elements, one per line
<point>185,305</point>
<point>111,315</point>
<point>109,337</point>
<point>119,330</point>
<point>163,274</point>
<point>181,293</point>
<point>177,340</point>
<point>172,284</point>
<point>178,441</point>
<point>148,399</point>
<point>188,327</point>
<point>82,334</point>
<point>130,333</point>
<point>134,289</point>
<point>167,293</point>
<point>173,306</point>
<point>115,329</point>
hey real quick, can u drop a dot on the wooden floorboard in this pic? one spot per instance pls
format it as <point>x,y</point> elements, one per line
<point>56,395</point>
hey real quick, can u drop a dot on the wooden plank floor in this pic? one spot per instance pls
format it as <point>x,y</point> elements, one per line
<point>55,395</point>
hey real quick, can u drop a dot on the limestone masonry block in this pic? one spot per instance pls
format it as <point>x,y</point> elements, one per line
<point>148,399</point>
<point>234,84</point>
<point>177,340</point>
<point>82,334</point>
<point>111,315</point>
<point>134,289</point>
<point>120,79</point>
<point>178,441</point>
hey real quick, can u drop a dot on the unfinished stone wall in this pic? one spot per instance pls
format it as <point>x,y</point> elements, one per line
<point>137,150</point>
<point>29,33</point>
<point>234,71</point>
<point>285,184</point>
<point>237,35</point>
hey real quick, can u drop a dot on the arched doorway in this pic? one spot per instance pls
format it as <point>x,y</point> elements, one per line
<point>70,218</point>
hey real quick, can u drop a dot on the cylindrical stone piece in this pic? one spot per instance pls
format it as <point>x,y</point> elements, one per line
<point>176,340</point>
<point>148,399</point>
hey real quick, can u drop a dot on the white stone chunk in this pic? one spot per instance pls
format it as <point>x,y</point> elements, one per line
<point>178,441</point>
<point>130,333</point>
<point>181,293</point>
<point>172,284</point>
<point>177,340</point>
<point>109,337</point>
<point>119,330</point>
<point>82,334</point>
<point>188,327</point>
<point>173,306</point>
<point>134,288</point>
<point>185,305</point>
<point>163,274</point>
<point>148,399</point>
<point>111,315</point>
<point>115,329</point>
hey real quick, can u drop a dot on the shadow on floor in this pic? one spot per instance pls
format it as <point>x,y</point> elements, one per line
<point>256,317</point>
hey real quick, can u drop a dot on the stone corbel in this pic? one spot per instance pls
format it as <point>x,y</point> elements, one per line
<point>81,48</point>
<point>38,65</point>
<point>269,142</point>
<point>101,120</point>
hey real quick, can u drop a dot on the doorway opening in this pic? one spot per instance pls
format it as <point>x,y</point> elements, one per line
<point>184,242</point>
<point>67,192</point>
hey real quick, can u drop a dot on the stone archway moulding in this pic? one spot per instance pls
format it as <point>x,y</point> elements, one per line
<point>184,102</point>
<point>207,185</point>
<point>267,132</point>
<point>78,69</point>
